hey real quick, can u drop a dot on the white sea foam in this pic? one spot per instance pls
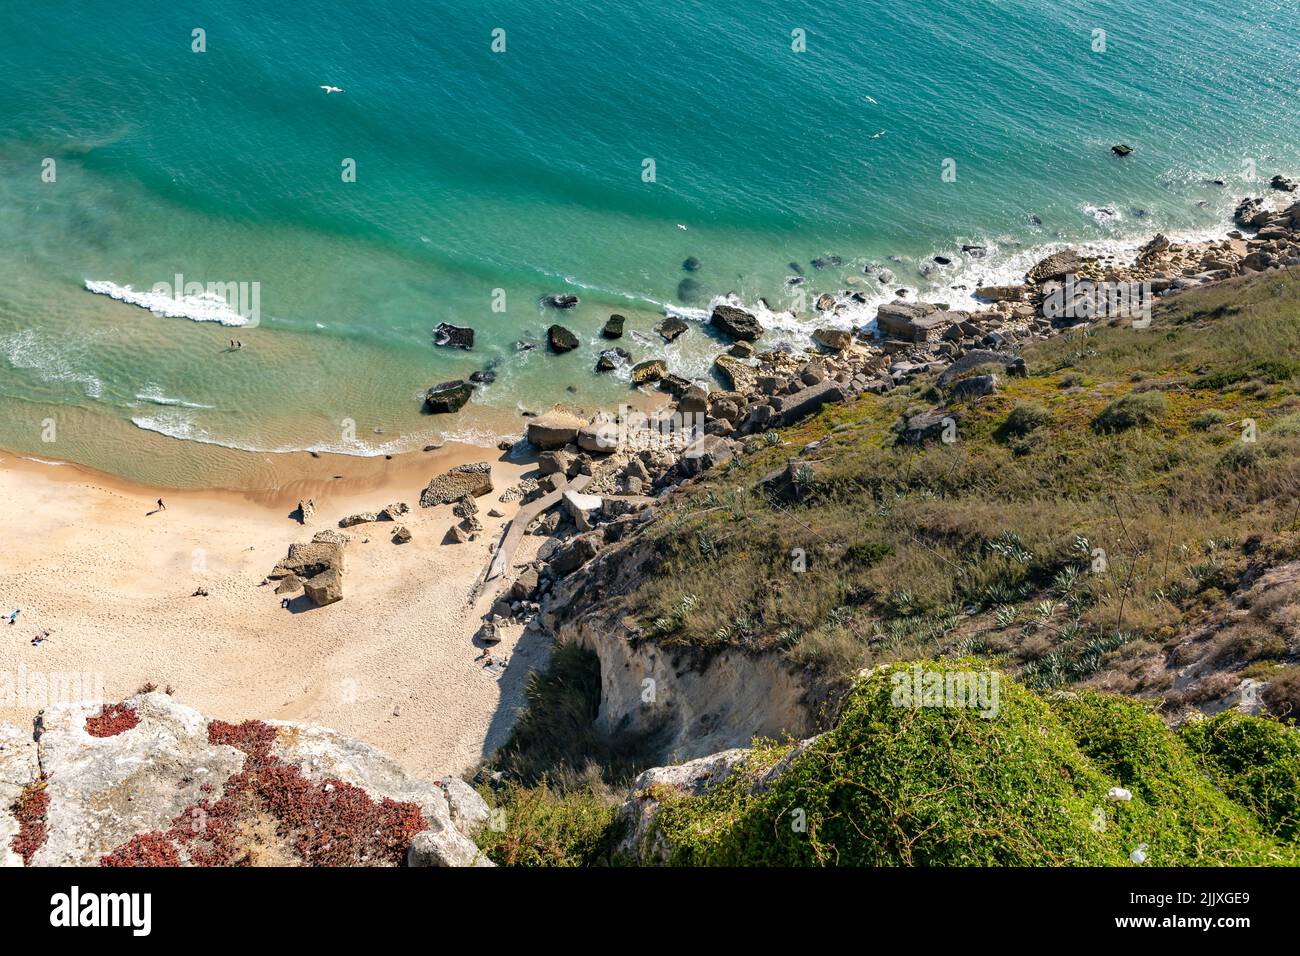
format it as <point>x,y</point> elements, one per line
<point>208,306</point>
<point>154,394</point>
<point>182,427</point>
<point>26,349</point>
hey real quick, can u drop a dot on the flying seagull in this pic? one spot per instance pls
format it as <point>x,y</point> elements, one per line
<point>880,134</point>
<point>332,89</point>
<point>871,100</point>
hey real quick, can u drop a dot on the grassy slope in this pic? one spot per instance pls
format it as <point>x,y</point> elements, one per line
<point>937,786</point>
<point>1122,441</point>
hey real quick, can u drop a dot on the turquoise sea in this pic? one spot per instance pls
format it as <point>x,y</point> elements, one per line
<point>524,171</point>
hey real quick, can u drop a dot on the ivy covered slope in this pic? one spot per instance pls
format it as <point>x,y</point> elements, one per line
<point>1089,523</point>
<point>945,786</point>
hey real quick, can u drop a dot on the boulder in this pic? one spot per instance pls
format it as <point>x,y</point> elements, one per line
<point>1283,184</point>
<point>289,584</point>
<point>453,336</point>
<point>736,375</point>
<point>808,400</point>
<point>911,322</point>
<point>308,560</point>
<point>581,507</point>
<point>561,301</point>
<point>649,371</point>
<point>554,430</point>
<point>471,479</point>
<point>325,588</point>
<point>1000,293</point>
<point>561,339</point>
<point>1251,212</point>
<point>924,427</point>
<point>736,323</point>
<point>691,264</point>
<point>600,436</point>
<point>1056,266</point>
<point>613,328</point>
<point>976,386</point>
<point>306,508</point>
<point>837,340</point>
<point>1121,150</point>
<point>448,396</point>
<point>361,517</point>
<point>525,585</point>
<point>610,359</point>
<point>394,511</point>
<point>671,328</point>
<point>401,534</point>
<point>555,462</point>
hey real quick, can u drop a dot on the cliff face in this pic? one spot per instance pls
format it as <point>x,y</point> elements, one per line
<point>696,703</point>
<point>151,781</point>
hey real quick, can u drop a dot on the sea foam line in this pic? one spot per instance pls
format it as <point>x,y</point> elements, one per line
<point>208,306</point>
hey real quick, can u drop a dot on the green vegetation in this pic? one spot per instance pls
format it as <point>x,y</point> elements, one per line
<point>1086,516</point>
<point>556,737</point>
<point>1256,763</point>
<point>547,827</point>
<point>935,786</point>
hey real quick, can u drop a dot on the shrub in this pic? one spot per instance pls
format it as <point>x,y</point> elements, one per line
<point>545,827</point>
<point>1282,693</point>
<point>1131,411</point>
<point>1024,418</point>
<point>1256,762</point>
<point>934,786</point>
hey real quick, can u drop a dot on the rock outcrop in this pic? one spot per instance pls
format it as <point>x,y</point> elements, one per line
<point>170,787</point>
<point>472,479</point>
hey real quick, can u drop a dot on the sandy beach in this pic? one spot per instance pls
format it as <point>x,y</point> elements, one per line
<point>91,559</point>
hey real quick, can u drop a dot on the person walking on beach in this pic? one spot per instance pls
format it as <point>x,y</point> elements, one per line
<point>13,618</point>
<point>161,506</point>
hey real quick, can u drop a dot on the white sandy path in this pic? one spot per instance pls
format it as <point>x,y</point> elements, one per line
<point>393,663</point>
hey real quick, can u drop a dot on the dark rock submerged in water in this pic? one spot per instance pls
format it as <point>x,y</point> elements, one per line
<point>688,290</point>
<point>691,264</point>
<point>1121,150</point>
<point>561,339</point>
<point>484,377</point>
<point>448,396</point>
<point>613,327</point>
<point>1282,184</point>
<point>561,301</point>
<point>671,327</point>
<point>454,336</point>
<point>610,358</point>
<point>736,323</point>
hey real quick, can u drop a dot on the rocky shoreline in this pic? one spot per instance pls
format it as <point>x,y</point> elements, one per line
<point>705,427</point>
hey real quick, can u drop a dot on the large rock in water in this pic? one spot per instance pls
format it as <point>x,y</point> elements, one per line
<point>455,336</point>
<point>473,479</point>
<point>613,328</point>
<point>448,396</point>
<point>554,430</point>
<point>736,323</point>
<point>651,370</point>
<point>561,339</point>
<point>127,791</point>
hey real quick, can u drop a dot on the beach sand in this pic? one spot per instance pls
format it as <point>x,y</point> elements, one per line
<point>89,558</point>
